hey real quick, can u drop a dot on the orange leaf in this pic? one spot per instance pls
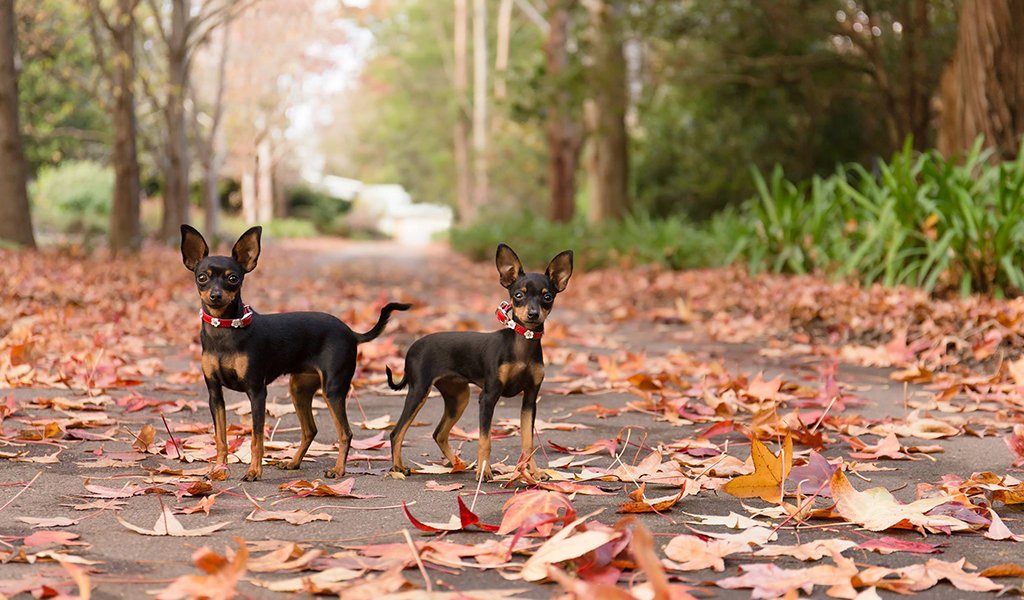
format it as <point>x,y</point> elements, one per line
<point>770,471</point>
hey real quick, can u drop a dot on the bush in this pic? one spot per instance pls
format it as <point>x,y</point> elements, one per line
<point>922,220</point>
<point>74,197</point>
<point>638,239</point>
<point>321,209</point>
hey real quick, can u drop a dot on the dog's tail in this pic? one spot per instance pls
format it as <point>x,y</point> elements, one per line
<point>391,381</point>
<point>385,314</point>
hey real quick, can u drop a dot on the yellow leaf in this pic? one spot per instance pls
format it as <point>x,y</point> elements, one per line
<point>770,471</point>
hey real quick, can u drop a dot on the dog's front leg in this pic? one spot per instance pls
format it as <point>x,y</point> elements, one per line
<point>258,403</point>
<point>488,400</point>
<point>527,420</point>
<point>219,469</point>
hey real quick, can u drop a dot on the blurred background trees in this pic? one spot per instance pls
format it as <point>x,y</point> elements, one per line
<point>573,110</point>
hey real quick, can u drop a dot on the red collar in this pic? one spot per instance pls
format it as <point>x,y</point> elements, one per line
<point>503,316</point>
<point>239,323</point>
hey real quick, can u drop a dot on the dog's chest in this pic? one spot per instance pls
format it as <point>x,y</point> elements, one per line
<point>517,376</point>
<point>231,369</point>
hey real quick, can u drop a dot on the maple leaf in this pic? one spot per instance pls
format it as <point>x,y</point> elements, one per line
<point>997,530</point>
<point>771,581</point>
<point>770,471</point>
<point>535,510</point>
<point>48,522</point>
<point>639,503</point>
<point>145,438</point>
<point>167,524</point>
<point>434,486</point>
<point>927,575</point>
<point>289,557</point>
<point>877,509</point>
<point>466,518</point>
<point>1015,442</point>
<point>219,579</point>
<point>888,545</point>
<point>692,553</point>
<point>815,550</point>
<point>814,476</point>
<point>564,546</point>
<point>343,489</point>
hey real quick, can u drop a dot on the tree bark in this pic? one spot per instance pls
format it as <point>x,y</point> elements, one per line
<point>264,181</point>
<point>125,230</point>
<point>609,162</point>
<point>916,98</point>
<point>564,134</point>
<point>15,216</point>
<point>210,146</point>
<point>982,88</point>
<point>460,135</point>
<point>480,175</point>
<point>176,166</point>
<point>250,209</point>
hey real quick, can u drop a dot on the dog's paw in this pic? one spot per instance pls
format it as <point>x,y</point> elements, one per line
<point>401,470</point>
<point>486,474</point>
<point>287,465</point>
<point>333,473</point>
<point>252,476</point>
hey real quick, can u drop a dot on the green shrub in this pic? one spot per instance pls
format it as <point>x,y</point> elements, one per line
<point>234,226</point>
<point>638,239</point>
<point>921,220</point>
<point>74,197</point>
<point>321,209</point>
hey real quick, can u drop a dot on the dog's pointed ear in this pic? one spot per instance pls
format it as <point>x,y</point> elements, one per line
<point>247,249</point>
<point>509,267</point>
<point>193,247</point>
<point>560,270</point>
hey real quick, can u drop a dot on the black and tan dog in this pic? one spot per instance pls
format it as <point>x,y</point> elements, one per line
<point>504,363</point>
<point>245,351</point>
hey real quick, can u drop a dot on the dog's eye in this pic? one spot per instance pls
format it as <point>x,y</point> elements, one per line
<point>518,295</point>
<point>232,278</point>
<point>202,278</point>
<point>548,297</point>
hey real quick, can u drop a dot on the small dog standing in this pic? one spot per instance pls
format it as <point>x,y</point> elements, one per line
<point>245,351</point>
<point>504,363</point>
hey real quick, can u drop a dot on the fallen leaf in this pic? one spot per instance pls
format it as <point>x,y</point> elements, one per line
<point>219,579</point>
<point>167,524</point>
<point>770,471</point>
<point>877,509</point>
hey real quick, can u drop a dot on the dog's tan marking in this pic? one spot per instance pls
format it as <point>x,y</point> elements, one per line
<point>537,373</point>
<point>509,371</point>
<point>210,365</point>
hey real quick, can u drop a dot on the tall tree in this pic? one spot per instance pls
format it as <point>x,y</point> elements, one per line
<point>464,199</point>
<point>480,125</point>
<point>183,28</point>
<point>209,137</point>
<point>982,89</point>
<point>15,219</point>
<point>606,112</point>
<point>119,25</point>
<point>564,132</point>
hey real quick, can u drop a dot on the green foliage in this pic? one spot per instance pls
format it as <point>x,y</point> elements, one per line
<point>921,220</point>
<point>639,239</point>
<point>234,226</point>
<point>74,197</point>
<point>324,211</point>
<point>61,118</point>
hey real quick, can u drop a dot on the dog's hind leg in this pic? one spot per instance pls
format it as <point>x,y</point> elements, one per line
<point>414,400</point>
<point>456,397</point>
<point>336,387</point>
<point>302,388</point>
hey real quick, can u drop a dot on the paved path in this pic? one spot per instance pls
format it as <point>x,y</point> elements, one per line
<point>131,564</point>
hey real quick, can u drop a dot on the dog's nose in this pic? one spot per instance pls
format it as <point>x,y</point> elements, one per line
<point>215,295</point>
<point>532,314</point>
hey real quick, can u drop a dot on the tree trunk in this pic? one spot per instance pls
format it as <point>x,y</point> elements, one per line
<point>480,176</point>
<point>15,218</point>
<point>463,178</point>
<point>916,98</point>
<point>250,209</point>
<point>211,145</point>
<point>609,162</point>
<point>563,133</point>
<point>176,201</point>
<point>264,181</point>
<point>125,230</point>
<point>982,88</point>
